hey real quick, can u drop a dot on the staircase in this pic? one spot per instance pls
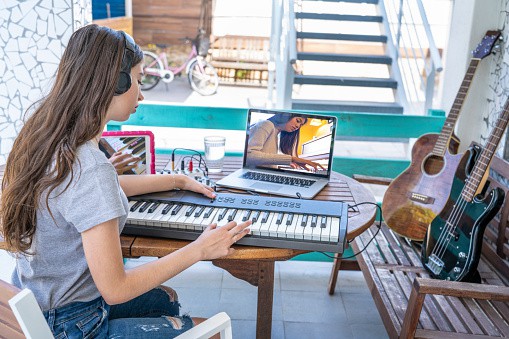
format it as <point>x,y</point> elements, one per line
<point>344,60</point>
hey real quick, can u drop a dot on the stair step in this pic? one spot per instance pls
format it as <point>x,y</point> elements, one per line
<point>347,106</point>
<point>359,58</point>
<point>344,81</point>
<point>339,17</point>
<point>349,37</point>
<point>374,2</point>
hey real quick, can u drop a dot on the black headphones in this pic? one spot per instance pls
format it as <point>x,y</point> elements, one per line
<point>124,79</point>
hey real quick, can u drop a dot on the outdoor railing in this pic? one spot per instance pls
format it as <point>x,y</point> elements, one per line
<point>358,125</point>
<point>411,43</point>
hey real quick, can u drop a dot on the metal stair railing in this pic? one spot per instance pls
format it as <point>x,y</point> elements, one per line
<point>417,56</point>
<point>410,44</point>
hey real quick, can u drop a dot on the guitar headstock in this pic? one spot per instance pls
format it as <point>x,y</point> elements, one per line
<point>486,45</point>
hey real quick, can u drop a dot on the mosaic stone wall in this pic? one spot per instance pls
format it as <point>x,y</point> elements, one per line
<point>498,92</point>
<point>33,35</point>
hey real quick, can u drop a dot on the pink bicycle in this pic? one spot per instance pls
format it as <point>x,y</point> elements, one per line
<point>201,74</point>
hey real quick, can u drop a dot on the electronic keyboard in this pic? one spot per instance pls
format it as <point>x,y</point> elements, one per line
<point>311,225</point>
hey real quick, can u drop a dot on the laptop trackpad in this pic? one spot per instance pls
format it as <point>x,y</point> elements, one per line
<point>266,187</point>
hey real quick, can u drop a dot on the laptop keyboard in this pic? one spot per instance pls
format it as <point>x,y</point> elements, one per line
<point>278,179</point>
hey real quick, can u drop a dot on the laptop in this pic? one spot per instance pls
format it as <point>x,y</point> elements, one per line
<point>285,153</point>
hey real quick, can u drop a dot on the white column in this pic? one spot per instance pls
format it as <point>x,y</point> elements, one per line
<point>33,36</point>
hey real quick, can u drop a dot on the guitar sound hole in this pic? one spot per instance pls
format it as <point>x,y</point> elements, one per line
<point>433,165</point>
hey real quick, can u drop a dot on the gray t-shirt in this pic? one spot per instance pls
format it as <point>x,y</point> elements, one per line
<point>58,273</point>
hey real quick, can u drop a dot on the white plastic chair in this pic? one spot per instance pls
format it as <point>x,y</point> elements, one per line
<point>34,326</point>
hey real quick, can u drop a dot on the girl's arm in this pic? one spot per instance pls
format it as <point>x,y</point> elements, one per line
<point>142,184</point>
<point>103,252</point>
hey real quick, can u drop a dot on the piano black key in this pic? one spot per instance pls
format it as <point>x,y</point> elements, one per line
<point>232,215</point>
<point>313,220</point>
<point>304,221</point>
<point>209,211</point>
<point>176,209</point>
<point>289,220</point>
<point>279,219</point>
<point>222,214</point>
<point>323,222</point>
<point>265,216</point>
<point>135,143</point>
<point>138,148</point>
<point>246,215</point>
<point>153,207</point>
<point>199,211</point>
<point>255,216</point>
<point>190,211</point>
<point>167,208</point>
<point>136,205</point>
<point>145,206</point>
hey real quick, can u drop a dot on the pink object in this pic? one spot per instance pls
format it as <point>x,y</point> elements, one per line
<point>115,141</point>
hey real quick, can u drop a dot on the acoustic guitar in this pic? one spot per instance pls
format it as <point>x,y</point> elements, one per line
<point>419,193</point>
<point>452,245</point>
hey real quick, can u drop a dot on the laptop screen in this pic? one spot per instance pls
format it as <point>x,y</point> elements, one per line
<point>290,142</point>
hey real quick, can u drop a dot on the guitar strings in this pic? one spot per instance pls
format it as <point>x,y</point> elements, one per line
<point>454,217</point>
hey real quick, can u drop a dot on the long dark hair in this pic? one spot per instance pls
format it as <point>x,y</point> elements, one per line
<point>288,141</point>
<point>73,113</point>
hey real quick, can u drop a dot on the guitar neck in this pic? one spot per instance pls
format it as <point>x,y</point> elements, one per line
<point>481,166</point>
<point>447,130</point>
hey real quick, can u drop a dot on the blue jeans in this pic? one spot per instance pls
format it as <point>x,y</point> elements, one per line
<point>154,314</point>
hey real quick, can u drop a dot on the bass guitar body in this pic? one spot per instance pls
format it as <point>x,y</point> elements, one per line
<point>452,245</point>
<point>418,194</point>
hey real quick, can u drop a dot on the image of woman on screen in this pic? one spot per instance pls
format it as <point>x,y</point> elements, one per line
<point>264,149</point>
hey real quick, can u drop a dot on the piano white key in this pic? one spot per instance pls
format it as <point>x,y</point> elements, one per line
<point>281,230</point>
<point>206,221</point>
<point>220,217</point>
<point>308,230</point>
<point>163,221</point>
<point>180,221</point>
<point>264,229</point>
<point>173,221</point>
<point>153,217</point>
<point>292,228</point>
<point>317,232</point>
<point>325,236</point>
<point>277,222</point>
<point>137,217</point>
<point>334,230</point>
<point>256,224</point>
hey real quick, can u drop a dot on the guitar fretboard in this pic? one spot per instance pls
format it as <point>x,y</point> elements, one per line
<point>448,128</point>
<point>481,165</point>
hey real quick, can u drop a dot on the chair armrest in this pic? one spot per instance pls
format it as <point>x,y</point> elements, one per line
<point>421,287</point>
<point>219,323</point>
<point>372,180</point>
<point>461,289</point>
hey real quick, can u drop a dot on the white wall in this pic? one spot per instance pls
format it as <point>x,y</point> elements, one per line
<point>471,19</point>
<point>33,35</point>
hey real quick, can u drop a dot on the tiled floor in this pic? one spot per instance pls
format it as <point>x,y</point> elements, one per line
<point>302,306</point>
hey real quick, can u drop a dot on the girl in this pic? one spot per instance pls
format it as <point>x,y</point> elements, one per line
<point>263,147</point>
<point>63,206</point>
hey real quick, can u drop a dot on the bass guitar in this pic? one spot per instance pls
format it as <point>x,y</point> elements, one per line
<point>452,245</point>
<point>419,193</point>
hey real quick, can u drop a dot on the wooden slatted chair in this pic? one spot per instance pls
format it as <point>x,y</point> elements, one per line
<point>21,317</point>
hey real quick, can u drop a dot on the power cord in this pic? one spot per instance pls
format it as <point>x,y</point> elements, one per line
<point>379,226</point>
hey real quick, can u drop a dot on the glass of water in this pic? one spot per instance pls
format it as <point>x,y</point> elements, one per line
<point>214,153</point>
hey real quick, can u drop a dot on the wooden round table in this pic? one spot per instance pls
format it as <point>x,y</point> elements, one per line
<point>256,264</point>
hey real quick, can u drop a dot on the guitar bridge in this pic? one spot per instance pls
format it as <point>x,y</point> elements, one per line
<point>423,199</point>
<point>435,264</point>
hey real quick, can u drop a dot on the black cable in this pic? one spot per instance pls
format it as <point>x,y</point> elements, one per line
<point>191,150</point>
<point>370,240</point>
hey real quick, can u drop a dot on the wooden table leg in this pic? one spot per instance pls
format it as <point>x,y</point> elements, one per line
<point>265,299</point>
<point>334,273</point>
<point>257,273</point>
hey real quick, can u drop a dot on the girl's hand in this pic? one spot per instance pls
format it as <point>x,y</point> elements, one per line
<point>304,163</point>
<point>215,242</point>
<point>123,162</point>
<point>189,184</point>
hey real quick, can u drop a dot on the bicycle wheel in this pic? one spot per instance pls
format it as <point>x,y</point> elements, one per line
<point>150,78</point>
<point>204,79</point>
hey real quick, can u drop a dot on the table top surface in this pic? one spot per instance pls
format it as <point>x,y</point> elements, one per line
<point>340,188</point>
